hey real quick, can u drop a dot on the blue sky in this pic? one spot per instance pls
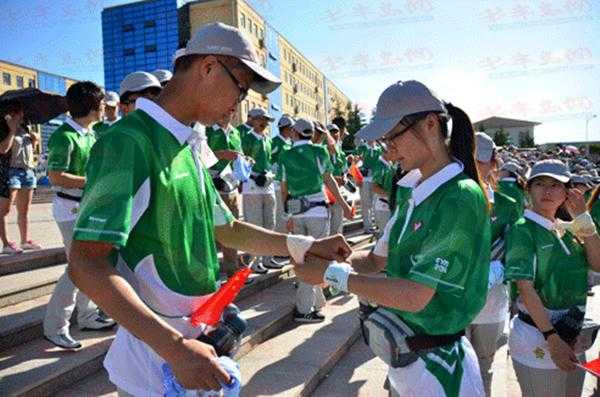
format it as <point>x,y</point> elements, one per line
<point>534,60</point>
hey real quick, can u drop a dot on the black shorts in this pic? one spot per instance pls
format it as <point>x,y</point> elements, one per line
<point>4,189</point>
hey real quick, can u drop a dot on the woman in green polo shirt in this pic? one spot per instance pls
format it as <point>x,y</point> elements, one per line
<point>511,183</point>
<point>487,327</point>
<point>549,261</point>
<point>435,249</point>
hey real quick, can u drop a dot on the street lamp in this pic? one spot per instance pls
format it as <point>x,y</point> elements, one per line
<point>587,124</point>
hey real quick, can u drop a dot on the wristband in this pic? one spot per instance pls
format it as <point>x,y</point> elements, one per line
<point>337,275</point>
<point>298,246</point>
<point>584,225</point>
<point>547,334</point>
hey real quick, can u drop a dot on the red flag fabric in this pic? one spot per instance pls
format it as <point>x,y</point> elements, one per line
<point>592,367</point>
<point>356,174</point>
<point>210,311</point>
<point>330,197</point>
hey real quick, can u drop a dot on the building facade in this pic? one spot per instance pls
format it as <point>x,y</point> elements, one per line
<point>305,91</point>
<point>519,132</point>
<point>138,36</point>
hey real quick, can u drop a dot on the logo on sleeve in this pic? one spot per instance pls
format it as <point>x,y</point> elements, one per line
<point>417,225</point>
<point>441,265</point>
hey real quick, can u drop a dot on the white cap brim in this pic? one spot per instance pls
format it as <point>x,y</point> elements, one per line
<point>560,178</point>
<point>267,82</point>
<point>111,103</point>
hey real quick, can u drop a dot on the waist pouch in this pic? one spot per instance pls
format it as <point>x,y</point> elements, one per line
<point>261,180</point>
<point>572,327</point>
<point>351,187</point>
<point>301,205</point>
<point>393,341</point>
<point>222,186</point>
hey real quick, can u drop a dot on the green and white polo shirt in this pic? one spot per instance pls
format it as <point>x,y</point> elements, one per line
<point>243,129</point>
<point>511,188</point>
<point>558,269</point>
<point>278,146</point>
<point>101,127</point>
<point>149,195</point>
<point>258,147</point>
<point>302,167</point>
<point>440,237</point>
<point>505,212</point>
<point>340,164</point>
<point>69,149</point>
<point>219,139</point>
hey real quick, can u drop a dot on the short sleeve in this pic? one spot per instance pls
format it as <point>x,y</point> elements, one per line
<point>451,247</point>
<point>382,245</point>
<point>117,190</point>
<point>60,148</point>
<point>520,254</point>
<point>324,162</point>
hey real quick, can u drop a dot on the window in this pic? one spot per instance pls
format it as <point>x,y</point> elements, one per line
<point>31,83</point>
<point>6,78</point>
<point>128,52</point>
<point>243,20</point>
<point>150,24</point>
<point>20,83</point>
<point>150,48</point>
<point>262,34</point>
<point>128,27</point>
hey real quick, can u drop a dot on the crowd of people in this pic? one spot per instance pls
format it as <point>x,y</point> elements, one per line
<point>152,181</point>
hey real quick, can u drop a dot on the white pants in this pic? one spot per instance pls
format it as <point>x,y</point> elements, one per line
<point>66,296</point>
<point>310,297</point>
<point>280,222</point>
<point>337,219</point>
<point>484,339</point>
<point>366,203</point>
<point>259,210</point>
<point>381,219</point>
<point>415,380</point>
<point>536,382</point>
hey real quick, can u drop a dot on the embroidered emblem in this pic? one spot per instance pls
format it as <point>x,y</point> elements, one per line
<point>441,265</point>
<point>539,353</point>
<point>417,226</point>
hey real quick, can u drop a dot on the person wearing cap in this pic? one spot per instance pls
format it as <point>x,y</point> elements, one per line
<point>138,85</point>
<point>583,183</point>
<point>486,329</point>
<point>258,192</point>
<point>279,144</point>
<point>369,152</point>
<point>340,167</point>
<point>145,241</point>
<point>225,141</point>
<point>305,170</point>
<point>69,149</point>
<point>435,249</point>
<point>511,183</point>
<point>111,113</point>
<point>246,127</point>
<point>549,260</point>
<point>383,174</point>
<point>163,76</point>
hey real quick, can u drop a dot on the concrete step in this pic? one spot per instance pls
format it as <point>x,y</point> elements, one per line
<point>22,322</point>
<point>20,287</point>
<point>358,373</point>
<point>31,260</point>
<point>293,362</point>
<point>37,368</point>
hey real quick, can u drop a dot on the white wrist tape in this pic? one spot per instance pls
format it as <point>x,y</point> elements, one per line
<point>298,246</point>
<point>583,225</point>
<point>337,275</point>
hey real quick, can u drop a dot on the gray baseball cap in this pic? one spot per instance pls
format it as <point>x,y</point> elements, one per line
<point>396,102</point>
<point>162,75</point>
<point>178,54</point>
<point>485,147</point>
<point>319,126</point>
<point>111,98</point>
<point>552,168</point>
<point>220,39</point>
<point>302,125</point>
<point>285,121</point>
<point>333,127</point>
<point>138,81</point>
<point>582,180</point>
<point>511,166</point>
<point>258,113</point>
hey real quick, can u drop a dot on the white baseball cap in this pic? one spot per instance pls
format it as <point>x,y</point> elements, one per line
<point>303,126</point>
<point>220,39</point>
<point>285,121</point>
<point>111,98</point>
<point>485,147</point>
<point>552,168</point>
<point>399,100</point>
<point>258,113</point>
<point>138,81</point>
<point>162,75</point>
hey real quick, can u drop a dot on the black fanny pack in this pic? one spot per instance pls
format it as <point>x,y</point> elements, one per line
<point>260,179</point>
<point>222,186</point>
<point>68,196</point>
<point>301,205</point>
<point>568,326</point>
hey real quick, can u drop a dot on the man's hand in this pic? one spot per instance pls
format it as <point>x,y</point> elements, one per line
<point>561,353</point>
<point>195,366</point>
<point>228,155</point>
<point>332,248</point>
<point>311,271</point>
<point>348,213</point>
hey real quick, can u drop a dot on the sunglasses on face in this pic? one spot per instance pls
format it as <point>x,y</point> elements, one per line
<point>243,90</point>
<point>388,139</point>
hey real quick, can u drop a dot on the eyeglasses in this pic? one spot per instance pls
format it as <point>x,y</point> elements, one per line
<point>395,135</point>
<point>243,90</point>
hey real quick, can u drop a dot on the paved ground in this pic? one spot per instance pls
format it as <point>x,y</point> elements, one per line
<point>42,227</point>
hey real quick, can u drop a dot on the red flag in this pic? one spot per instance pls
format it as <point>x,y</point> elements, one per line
<point>356,174</point>
<point>210,311</point>
<point>592,367</point>
<point>330,197</point>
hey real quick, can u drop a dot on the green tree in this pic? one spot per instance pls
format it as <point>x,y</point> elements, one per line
<point>501,138</point>
<point>526,142</point>
<point>353,124</point>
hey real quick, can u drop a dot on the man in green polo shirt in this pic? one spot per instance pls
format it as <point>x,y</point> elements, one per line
<point>280,144</point>
<point>224,140</point>
<point>68,152</point>
<point>244,128</point>
<point>151,210</point>
<point>340,167</point>
<point>111,113</point>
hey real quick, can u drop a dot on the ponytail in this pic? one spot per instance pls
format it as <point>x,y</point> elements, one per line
<point>462,142</point>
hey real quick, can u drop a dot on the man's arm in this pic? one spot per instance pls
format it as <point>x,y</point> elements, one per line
<point>66,180</point>
<point>91,271</point>
<point>333,187</point>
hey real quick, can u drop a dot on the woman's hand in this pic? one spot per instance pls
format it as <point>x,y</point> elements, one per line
<point>561,353</point>
<point>311,271</point>
<point>575,203</point>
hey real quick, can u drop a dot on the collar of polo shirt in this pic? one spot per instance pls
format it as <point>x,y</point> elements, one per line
<point>258,136</point>
<point>180,131</point>
<point>301,142</point>
<point>540,220</point>
<point>431,184</point>
<point>76,126</point>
